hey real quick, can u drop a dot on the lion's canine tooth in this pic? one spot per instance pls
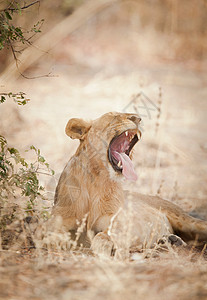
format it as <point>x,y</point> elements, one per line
<point>119,164</point>
<point>139,135</point>
<point>126,133</point>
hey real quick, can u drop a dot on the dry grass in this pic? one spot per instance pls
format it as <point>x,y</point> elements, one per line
<point>63,275</point>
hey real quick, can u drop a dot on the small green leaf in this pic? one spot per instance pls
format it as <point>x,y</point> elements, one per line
<point>33,148</point>
<point>41,159</point>
<point>13,151</point>
<point>3,99</point>
<point>19,8</point>
<point>8,16</point>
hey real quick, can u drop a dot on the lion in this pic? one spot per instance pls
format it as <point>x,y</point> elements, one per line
<point>90,187</point>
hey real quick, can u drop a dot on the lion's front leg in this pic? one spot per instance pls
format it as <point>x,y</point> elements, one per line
<point>102,245</point>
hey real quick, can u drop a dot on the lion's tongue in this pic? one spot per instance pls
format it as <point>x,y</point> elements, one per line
<point>128,168</point>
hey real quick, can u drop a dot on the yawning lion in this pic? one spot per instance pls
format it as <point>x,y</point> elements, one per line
<point>90,186</point>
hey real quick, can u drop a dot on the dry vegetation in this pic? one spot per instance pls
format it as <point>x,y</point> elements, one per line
<point>127,50</point>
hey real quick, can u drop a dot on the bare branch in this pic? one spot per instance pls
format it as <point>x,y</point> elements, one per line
<point>21,8</point>
<point>13,94</point>
<point>57,34</point>
<point>24,76</point>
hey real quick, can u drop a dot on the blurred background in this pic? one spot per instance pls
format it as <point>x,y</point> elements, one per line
<point>93,57</point>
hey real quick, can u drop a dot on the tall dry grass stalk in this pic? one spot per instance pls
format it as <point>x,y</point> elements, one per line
<point>159,141</point>
<point>159,105</point>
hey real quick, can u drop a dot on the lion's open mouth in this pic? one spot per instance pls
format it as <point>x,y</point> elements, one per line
<point>119,153</point>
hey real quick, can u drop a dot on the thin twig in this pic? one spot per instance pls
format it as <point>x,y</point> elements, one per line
<point>21,8</point>
<point>43,173</point>
<point>24,76</point>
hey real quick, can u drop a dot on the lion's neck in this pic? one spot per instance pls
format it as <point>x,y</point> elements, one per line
<point>98,182</point>
<point>86,188</point>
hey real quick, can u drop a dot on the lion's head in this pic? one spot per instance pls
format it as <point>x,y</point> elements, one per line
<point>108,141</point>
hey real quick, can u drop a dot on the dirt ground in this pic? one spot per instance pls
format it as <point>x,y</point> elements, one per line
<point>94,74</point>
<point>64,276</point>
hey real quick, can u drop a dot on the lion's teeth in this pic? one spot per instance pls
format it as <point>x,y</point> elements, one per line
<point>126,133</point>
<point>119,164</point>
<point>139,135</point>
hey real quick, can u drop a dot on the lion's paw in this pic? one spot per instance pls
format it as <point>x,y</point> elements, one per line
<point>102,245</point>
<point>172,240</point>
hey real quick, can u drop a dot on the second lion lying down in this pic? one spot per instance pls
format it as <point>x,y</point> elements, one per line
<point>90,186</point>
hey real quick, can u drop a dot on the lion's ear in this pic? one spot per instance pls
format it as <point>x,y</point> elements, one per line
<point>77,128</point>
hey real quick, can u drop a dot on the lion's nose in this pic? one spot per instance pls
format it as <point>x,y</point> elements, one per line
<point>134,118</point>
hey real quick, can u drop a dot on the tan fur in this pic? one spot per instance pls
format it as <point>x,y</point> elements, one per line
<point>89,186</point>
